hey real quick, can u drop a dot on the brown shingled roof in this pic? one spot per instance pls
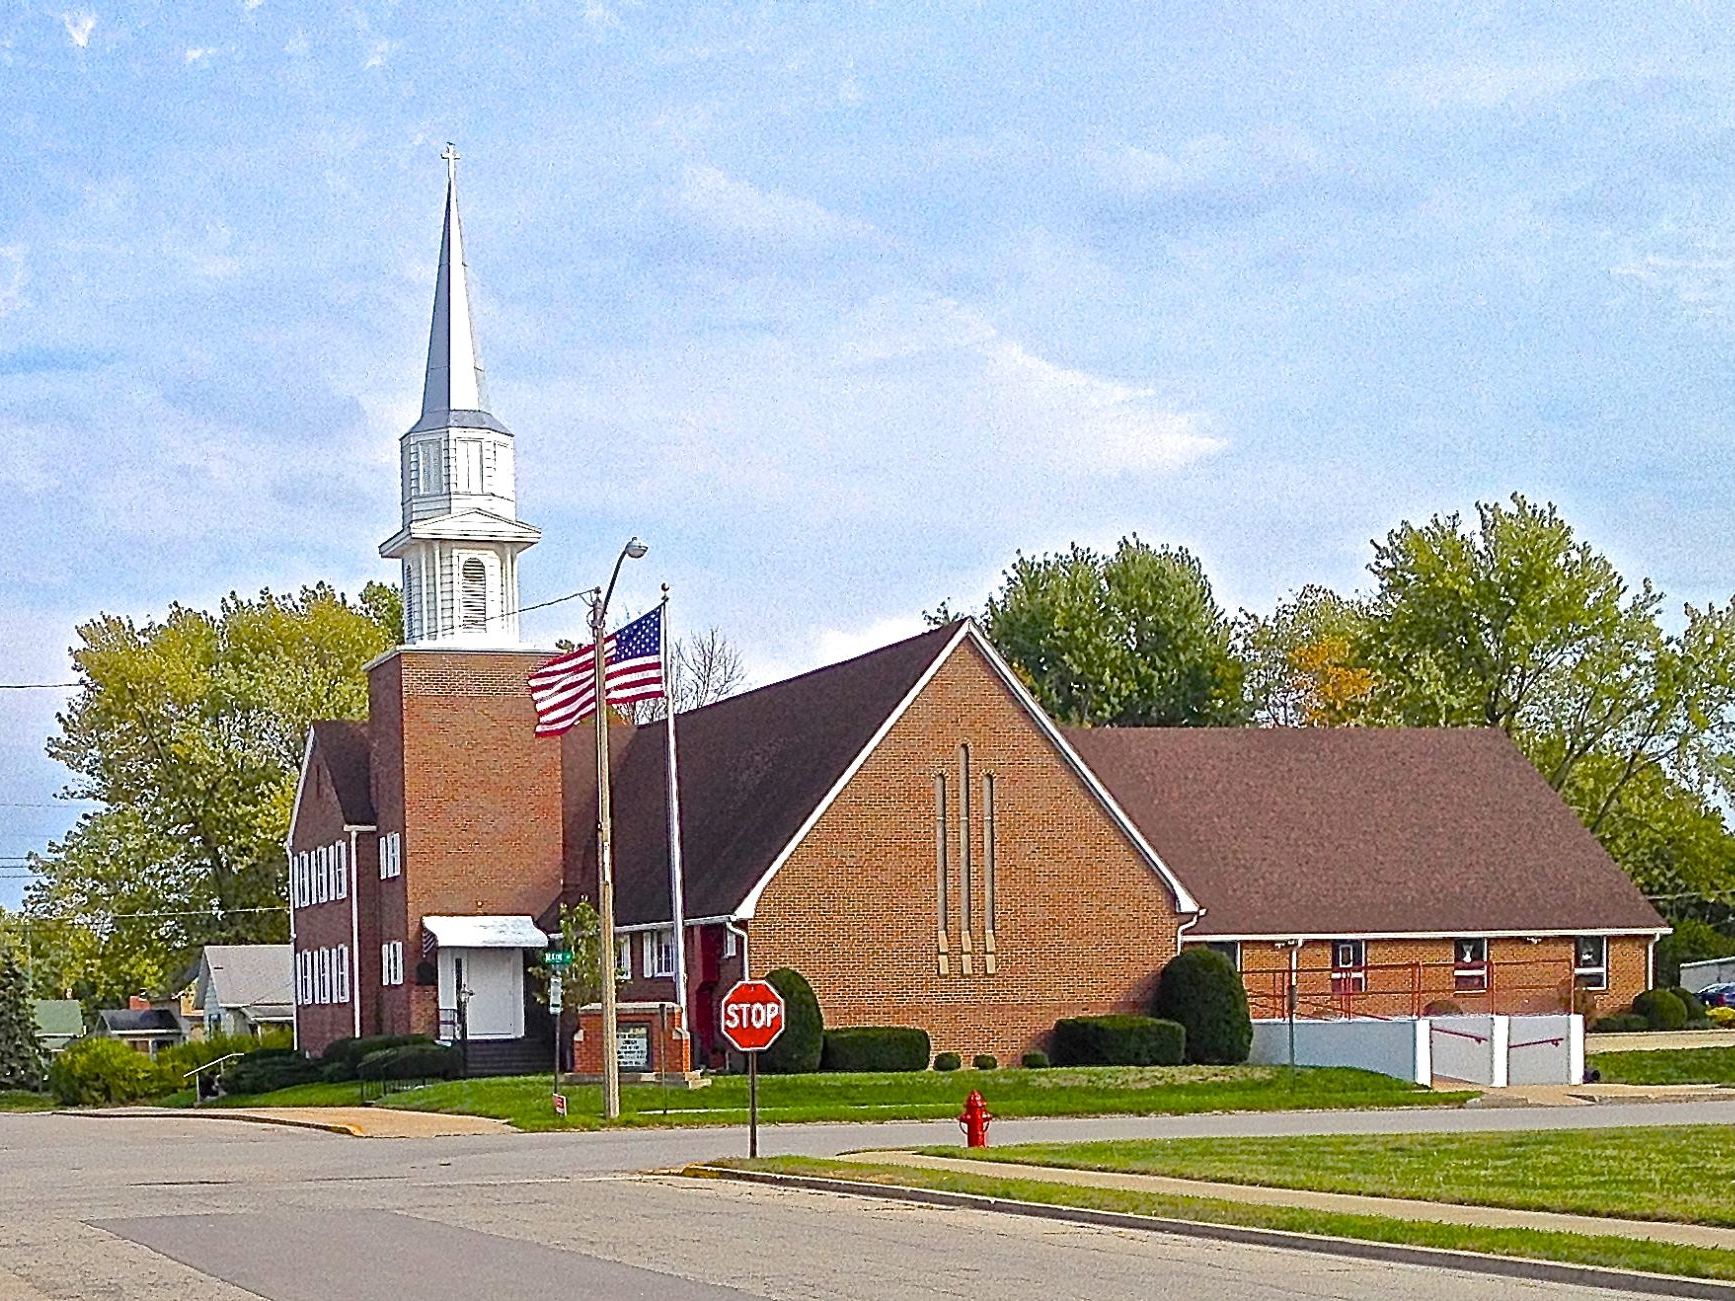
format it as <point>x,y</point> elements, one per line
<point>343,746</point>
<point>1328,831</point>
<point>752,769</point>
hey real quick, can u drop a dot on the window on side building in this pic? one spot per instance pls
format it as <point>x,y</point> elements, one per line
<point>1230,949</point>
<point>1470,964</point>
<point>1349,960</point>
<point>1590,961</point>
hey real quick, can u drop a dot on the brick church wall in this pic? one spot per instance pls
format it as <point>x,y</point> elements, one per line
<point>1083,923</point>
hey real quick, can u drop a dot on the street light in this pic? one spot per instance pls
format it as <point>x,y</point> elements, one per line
<point>611,1073</point>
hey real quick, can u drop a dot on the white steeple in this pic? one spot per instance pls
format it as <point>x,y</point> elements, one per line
<point>461,533</point>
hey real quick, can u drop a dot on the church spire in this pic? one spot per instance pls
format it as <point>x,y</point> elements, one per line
<point>455,381</point>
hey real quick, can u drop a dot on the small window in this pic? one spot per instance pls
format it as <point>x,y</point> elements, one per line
<point>731,943</point>
<point>623,957</point>
<point>1230,949</point>
<point>391,855</point>
<point>659,953</point>
<point>473,600</point>
<point>340,872</point>
<point>1348,966</point>
<point>341,962</point>
<point>1590,961</point>
<point>1470,965</point>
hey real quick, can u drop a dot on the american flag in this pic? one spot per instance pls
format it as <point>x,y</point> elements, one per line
<point>564,689</point>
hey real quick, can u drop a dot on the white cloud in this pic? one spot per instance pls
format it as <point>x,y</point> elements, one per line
<point>11,283</point>
<point>377,54</point>
<point>1488,85</point>
<point>1271,155</point>
<point>598,14</point>
<point>251,5</point>
<point>79,24</point>
<point>200,53</point>
<point>1703,284</point>
<point>728,205</point>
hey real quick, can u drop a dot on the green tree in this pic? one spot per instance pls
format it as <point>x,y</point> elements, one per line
<point>189,732</point>
<point>1303,661</point>
<point>581,936</point>
<point>22,1065</point>
<point>1133,638</point>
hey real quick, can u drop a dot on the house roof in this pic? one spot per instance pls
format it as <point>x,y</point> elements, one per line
<point>59,1018</point>
<point>257,978</point>
<point>345,750</point>
<point>1327,831</point>
<point>149,1020</point>
<point>753,768</point>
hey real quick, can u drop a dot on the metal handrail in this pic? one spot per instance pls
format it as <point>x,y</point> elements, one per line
<point>197,1070</point>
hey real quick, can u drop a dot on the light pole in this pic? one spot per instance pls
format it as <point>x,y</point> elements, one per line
<point>611,1071</point>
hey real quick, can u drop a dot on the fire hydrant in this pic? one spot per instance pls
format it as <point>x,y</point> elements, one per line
<point>974,1121</point>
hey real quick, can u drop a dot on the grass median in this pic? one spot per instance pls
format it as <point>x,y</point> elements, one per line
<point>24,1100</point>
<point>1581,1249</point>
<point>1667,1066</point>
<point>915,1095</point>
<point>1679,1173</point>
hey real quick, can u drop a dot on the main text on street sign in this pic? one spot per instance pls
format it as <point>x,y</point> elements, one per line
<point>557,957</point>
<point>752,1016</point>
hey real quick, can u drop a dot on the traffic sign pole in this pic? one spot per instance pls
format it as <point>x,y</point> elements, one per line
<point>752,1021</point>
<point>753,1105</point>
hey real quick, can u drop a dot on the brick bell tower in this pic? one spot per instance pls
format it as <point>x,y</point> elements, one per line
<point>467,799</point>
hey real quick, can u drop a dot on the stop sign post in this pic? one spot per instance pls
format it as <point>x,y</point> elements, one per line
<point>752,1019</point>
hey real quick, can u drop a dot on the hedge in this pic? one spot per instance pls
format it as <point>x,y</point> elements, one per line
<point>985,1062</point>
<point>269,1069</point>
<point>1201,990</point>
<point>1661,1009</point>
<point>1622,1023</point>
<point>96,1070</point>
<point>1034,1060</point>
<point>1696,1018</point>
<point>798,1049</point>
<point>947,1061</point>
<point>876,1048</point>
<point>342,1056</point>
<point>1119,1041</point>
<point>422,1061</point>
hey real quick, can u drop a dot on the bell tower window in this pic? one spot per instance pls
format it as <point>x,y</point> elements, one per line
<point>473,600</point>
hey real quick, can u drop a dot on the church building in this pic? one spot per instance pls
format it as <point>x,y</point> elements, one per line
<point>908,828</point>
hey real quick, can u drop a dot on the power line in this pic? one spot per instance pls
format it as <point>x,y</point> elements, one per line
<point>212,911</point>
<point>39,686</point>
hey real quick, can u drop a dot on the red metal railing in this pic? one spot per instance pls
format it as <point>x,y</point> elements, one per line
<point>1393,989</point>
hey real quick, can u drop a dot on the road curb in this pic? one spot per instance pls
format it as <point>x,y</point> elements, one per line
<point>193,1113</point>
<point>1542,1271</point>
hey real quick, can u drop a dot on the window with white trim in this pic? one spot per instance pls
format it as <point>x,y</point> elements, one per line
<point>1349,960</point>
<point>340,960</point>
<point>300,978</point>
<point>659,953</point>
<point>1230,949</point>
<point>731,942</point>
<point>321,882</point>
<point>1590,961</point>
<point>340,871</point>
<point>473,596</point>
<point>1470,965</point>
<point>392,962</point>
<point>623,958</point>
<point>391,855</point>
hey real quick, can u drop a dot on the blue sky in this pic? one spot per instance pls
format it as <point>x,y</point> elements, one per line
<point>840,305</point>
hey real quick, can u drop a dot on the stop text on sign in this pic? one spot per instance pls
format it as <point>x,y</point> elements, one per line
<point>752,1016</point>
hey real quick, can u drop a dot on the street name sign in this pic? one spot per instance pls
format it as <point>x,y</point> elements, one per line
<point>557,957</point>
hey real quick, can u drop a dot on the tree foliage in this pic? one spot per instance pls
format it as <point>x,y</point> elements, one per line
<point>22,1065</point>
<point>1131,638</point>
<point>1303,661</point>
<point>189,732</point>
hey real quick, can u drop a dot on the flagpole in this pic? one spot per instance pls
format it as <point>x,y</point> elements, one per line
<point>677,901</point>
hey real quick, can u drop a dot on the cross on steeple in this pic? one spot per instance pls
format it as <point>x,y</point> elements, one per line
<point>451,156</point>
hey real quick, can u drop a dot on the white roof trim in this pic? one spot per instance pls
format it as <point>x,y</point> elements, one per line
<point>1471,934</point>
<point>487,932</point>
<point>968,630</point>
<point>300,786</point>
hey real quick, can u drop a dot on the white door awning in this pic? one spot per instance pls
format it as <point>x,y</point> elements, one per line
<point>486,932</point>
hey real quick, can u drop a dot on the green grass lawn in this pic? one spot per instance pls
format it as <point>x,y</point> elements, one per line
<point>918,1095</point>
<point>930,1095</point>
<point>1583,1249</point>
<point>21,1100</point>
<point>299,1095</point>
<point>1667,1066</point>
<point>1664,1173</point>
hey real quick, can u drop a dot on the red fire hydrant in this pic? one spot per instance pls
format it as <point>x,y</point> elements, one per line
<point>974,1121</point>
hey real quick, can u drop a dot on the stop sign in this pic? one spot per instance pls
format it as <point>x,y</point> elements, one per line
<point>752,1015</point>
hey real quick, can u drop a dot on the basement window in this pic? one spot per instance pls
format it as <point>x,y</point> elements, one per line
<point>1590,961</point>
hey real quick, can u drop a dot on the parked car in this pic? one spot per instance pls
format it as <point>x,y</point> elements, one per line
<point>1722,995</point>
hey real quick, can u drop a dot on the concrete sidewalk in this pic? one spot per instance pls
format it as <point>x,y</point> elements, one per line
<point>1397,1208</point>
<point>356,1122</point>
<point>1656,1040</point>
<point>1586,1095</point>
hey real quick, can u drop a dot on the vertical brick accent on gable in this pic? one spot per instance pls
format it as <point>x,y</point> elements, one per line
<point>1083,925</point>
<point>476,795</point>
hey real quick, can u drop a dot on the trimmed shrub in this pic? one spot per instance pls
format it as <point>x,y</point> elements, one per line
<point>1696,1018</point>
<point>1201,990</point>
<point>1119,1041</point>
<point>875,1048</point>
<point>1034,1061</point>
<point>269,1069</point>
<point>424,1061</point>
<point>798,1049</point>
<point>985,1062</point>
<point>96,1071</point>
<point>1661,1009</point>
<point>946,1061</point>
<point>1622,1023</point>
<point>342,1056</point>
<point>184,1057</point>
<point>1442,1007</point>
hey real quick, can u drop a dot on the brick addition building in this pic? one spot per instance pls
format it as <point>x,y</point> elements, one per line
<point>907,828</point>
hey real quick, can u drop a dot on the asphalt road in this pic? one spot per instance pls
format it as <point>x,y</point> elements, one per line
<point>198,1209</point>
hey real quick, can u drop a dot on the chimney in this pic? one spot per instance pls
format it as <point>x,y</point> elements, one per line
<point>139,1003</point>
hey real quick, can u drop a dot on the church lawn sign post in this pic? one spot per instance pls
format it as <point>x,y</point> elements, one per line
<point>752,1020</point>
